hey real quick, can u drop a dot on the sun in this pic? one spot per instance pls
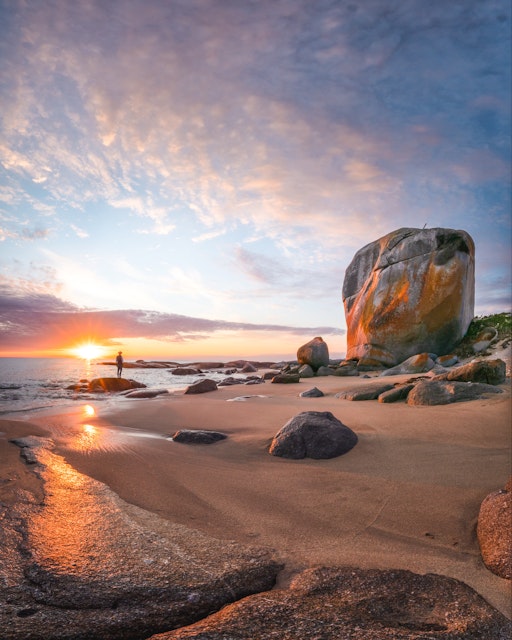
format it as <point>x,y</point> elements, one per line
<point>88,351</point>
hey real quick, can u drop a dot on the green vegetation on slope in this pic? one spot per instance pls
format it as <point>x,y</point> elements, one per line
<point>502,322</point>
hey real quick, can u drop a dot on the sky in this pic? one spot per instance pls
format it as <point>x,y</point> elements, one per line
<point>183,178</point>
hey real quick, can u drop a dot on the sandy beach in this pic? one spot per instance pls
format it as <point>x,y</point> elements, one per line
<point>407,496</point>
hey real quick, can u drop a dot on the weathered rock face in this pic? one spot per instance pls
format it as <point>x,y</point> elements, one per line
<point>315,353</point>
<point>338,603</point>
<point>494,532</point>
<point>409,292</point>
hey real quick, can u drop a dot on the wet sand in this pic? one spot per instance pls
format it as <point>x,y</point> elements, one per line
<point>407,496</point>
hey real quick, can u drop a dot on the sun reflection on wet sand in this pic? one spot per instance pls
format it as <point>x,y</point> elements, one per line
<point>89,438</point>
<point>89,411</point>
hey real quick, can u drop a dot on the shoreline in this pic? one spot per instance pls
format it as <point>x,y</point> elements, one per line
<point>407,496</point>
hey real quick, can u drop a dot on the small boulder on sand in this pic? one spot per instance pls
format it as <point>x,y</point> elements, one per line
<point>313,434</point>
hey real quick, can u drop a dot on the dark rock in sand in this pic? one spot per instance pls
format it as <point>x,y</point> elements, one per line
<point>79,563</point>
<point>202,386</point>
<point>356,604</point>
<point>113,385</point>
<point>313,434</point>
<point>399,392</point>
<point>488,371</point>
<point>365,392</point>
<point>433,392</point>
<point>268,375</point>
<point>494,531</point>
<point>198,436</point>
<point>312,393</point>
<point>286,378</point>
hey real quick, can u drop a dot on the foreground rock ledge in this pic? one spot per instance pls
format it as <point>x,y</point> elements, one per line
<point>342,603</point>
<point>83,564</point>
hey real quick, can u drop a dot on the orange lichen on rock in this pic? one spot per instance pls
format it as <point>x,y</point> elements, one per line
<point>409,292</point>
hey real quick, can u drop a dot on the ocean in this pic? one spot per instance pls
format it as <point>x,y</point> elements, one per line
<point>28,385</point>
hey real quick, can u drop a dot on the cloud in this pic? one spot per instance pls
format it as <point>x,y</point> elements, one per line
<point>261,114</point>
<point>32,319</point>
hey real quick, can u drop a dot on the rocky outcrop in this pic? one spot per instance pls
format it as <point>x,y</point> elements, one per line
<point>371,604</point>
<point>315,353</point>
<point>198,436</point>
<point>78,562</point>
<point>487,371</point>
<point>433,392</point>
<point>313,434</point>
<point>494,531</point>
<point>409,292</point>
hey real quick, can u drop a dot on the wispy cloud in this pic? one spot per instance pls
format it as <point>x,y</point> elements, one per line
<point>35,319</point>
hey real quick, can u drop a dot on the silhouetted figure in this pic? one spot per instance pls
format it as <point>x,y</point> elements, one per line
<point>119,362</point>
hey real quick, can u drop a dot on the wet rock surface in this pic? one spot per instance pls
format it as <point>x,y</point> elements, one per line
<point>356,604</point>
<point>77,562</point>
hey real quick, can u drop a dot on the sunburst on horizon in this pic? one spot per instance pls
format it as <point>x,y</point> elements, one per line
<point>88,351</point>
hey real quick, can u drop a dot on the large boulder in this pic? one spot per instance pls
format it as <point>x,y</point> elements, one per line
<point>409,292</point>
<point>313,434</point>
<point>315,353</point>
<point>360,604</point>
<point>495,533</point>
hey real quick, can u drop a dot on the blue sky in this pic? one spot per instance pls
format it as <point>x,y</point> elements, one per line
<point>189,177</point>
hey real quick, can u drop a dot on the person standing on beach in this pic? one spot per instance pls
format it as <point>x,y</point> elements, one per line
<point>119,362</point>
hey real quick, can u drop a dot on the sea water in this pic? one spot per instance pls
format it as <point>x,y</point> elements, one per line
<point>28,385</point>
